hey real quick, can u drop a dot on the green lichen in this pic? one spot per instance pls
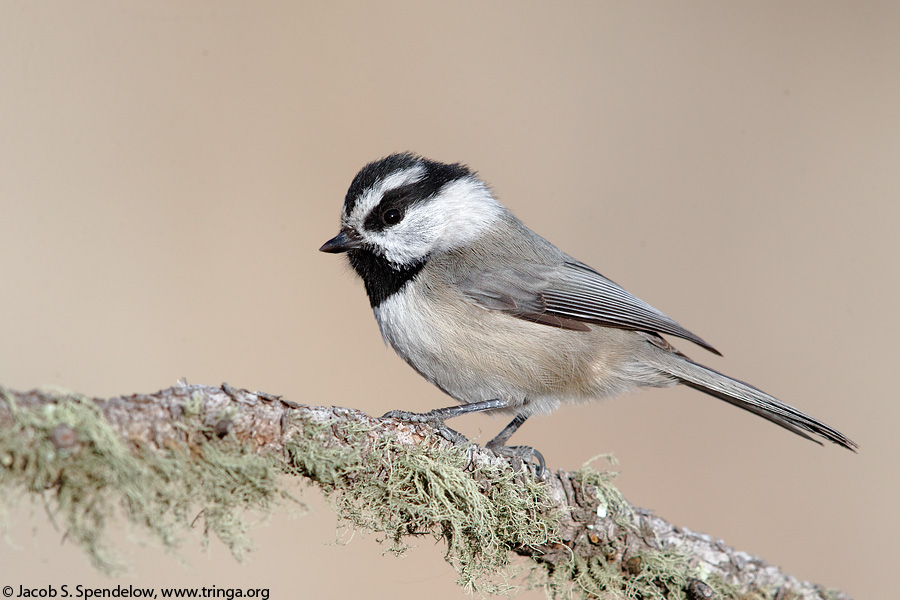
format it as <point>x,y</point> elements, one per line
<point>651,575</point>
<point>97,476</point>
<point>374,482</point>
<point>611,501</point>
<point>426,490</point>
<point>164,492</point>
<point>311,455</point>
<point>647,575</point>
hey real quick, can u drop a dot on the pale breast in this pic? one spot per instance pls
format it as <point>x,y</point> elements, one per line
<point>476,354</point>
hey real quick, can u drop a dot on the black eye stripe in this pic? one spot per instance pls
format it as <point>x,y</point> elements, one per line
<point>377,171</point>
<point>402,198</point>
<point>397,200</point>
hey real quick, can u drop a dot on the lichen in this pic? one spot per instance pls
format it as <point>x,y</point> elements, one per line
<point>611,501</point>
<point>650,574</point>
<point>426,490</point>
<point>67,455</point>
<point>87,483</point>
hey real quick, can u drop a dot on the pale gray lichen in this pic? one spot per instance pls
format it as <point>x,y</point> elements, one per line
<point>426,490</point>
<point>67,454</point>
<point>165,492</point>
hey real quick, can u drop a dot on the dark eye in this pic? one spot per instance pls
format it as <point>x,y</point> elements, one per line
<point>392,216</point>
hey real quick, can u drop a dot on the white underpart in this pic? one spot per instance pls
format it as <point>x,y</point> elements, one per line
<point>459,214</point>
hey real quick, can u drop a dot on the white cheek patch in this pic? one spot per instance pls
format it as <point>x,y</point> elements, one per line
<point>459,214</point>
<point>407,242</point>
<point>464,210</point>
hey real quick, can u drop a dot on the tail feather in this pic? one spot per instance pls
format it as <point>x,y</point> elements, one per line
<point>745,396</point>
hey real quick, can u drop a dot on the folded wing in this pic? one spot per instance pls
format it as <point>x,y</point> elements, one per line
<point>568,295</point>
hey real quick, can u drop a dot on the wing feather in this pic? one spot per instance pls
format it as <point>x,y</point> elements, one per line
<point>566,295</point>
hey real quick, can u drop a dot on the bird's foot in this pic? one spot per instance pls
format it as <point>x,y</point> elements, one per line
<point>413,417</point>
<point>526,454</point>
<point>435,418</point>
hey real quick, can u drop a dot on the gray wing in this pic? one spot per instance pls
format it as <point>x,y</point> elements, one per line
<point>568,295</point>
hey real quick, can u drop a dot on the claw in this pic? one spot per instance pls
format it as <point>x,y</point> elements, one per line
<point>525,453</point>
<point>452,436</point>
<point>433,418</point>
<point>436,419</point>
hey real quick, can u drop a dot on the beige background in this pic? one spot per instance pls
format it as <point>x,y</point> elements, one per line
<point>168,170</point>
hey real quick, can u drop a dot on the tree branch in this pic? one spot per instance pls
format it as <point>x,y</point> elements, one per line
<point>197,453</point>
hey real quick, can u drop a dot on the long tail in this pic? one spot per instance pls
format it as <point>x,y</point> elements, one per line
<point>743,395</point>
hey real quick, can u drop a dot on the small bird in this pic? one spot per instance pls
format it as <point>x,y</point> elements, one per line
<point>501,319</point>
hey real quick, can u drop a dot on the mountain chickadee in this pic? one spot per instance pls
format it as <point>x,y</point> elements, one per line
<point>501,319</point>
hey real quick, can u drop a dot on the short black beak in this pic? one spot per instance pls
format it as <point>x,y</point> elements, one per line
<point>347,239</point>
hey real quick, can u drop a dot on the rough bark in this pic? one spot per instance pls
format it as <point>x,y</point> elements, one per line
<point>593,530</point>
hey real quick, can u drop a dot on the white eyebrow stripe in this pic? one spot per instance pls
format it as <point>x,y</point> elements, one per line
<point>371,197</point>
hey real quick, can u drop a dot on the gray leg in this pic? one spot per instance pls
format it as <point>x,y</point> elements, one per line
<point>501,438</point>
<point>526,453</point>
<point>437,417</point>
<point>498,445</point>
